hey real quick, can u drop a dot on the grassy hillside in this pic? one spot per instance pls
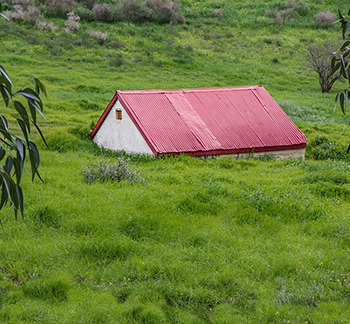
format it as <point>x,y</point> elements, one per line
<point>203,240</point>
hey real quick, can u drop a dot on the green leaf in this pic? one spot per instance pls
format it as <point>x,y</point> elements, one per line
<point>4,95</point>
<point>3,123</point>
<point>336,100</point>
<point>2,153</point>
<point>18,169</point>
<point>333,62</point>
<point>4,193</point>
<point>336,68</point>
<point>340,14</point>
<point>342,106</point>
<point>20,199</point>
<point>4,128</point>
<point>23,113</point>
<point>33,104</point>
<point>344,45</point>
<point>36,153</point>
<point>14,196</point>
<point>24,129</point>
<point>8,164</point>
<point>40,86</point>
<point>21,149</point>
<point>19,161</point>
<point>32,164</point>
<point>34,94</point>
<point>32,112</point>
<point>7,182</point>
<point>28,94</point>
<point>346,97</point>
<point>346,29</point>
<point>5,82</point>
<point>343,67</point>
<point>41,134</point>
<point>3,72</point>
<point>34,160</point>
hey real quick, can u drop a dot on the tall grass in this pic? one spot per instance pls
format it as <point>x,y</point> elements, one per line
<point>204,240</point>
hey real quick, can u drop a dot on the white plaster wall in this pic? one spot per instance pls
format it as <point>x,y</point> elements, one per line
<point>120,135</point>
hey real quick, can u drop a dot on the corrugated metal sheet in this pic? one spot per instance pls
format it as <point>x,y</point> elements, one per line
<point>218,120</point>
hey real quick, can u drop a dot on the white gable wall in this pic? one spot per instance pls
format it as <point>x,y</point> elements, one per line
<point>118,135</point>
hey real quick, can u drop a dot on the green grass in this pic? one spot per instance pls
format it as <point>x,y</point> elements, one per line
<point>203,240</point>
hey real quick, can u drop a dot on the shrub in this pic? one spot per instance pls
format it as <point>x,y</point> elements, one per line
<point>59,8</point>
<point>106,170</point>
<point>288,10</point>
<point>29,16</point>
<point>325,17</point>
<point>150,10</point>
<point>16,14</point>
<point>88,4</point>
<point>23,3</point>
<point>319,58</point>
<point>43,25</point>
<point>72,23</point>
<point>294,7</point>
<point>102,13</point>
<point>32,16</point>
<point>270,14</point>
<point>84,13</point>
<point>98,35</point>
<point>118,61</point>
<point>165,11</point>
<point>134,10</point>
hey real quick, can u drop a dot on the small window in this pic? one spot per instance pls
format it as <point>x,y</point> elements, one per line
<point>118,114</point>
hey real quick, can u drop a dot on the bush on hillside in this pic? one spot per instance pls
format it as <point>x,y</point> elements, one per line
<point>101,37</point>
<point>102,13</point>
<point>133,10</point>
<point>294,8</point>
<point>288,10</point>
<point>325,17</point>
<point>319,57</point>
<point>166,11</point>
<point>161,11</point>
<point>72,23</point>
<point>29,15</point>
<point>58,8</point>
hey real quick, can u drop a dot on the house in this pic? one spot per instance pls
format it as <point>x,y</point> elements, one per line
<point>202,122</point>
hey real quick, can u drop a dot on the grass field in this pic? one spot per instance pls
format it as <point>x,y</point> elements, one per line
<point>202,240</point>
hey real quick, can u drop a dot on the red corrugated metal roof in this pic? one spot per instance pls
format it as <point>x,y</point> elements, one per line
<point>209,121</point>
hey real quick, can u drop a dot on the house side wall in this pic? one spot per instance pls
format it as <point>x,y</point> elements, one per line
<point>118,135</point>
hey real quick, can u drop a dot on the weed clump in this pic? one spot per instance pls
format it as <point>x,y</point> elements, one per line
<point>106,170</point>
<point>323,148</point>
<point>46,289</point>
